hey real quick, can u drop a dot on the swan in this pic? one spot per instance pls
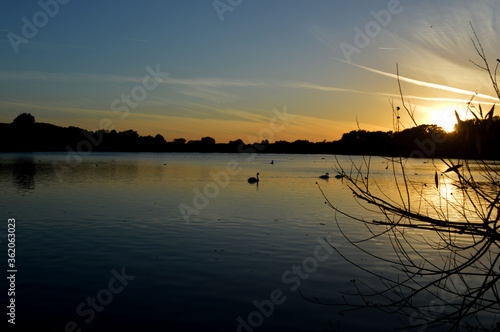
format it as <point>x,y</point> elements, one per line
<point>340,176</point>
<point>326,176</point>
<point>253,180</point>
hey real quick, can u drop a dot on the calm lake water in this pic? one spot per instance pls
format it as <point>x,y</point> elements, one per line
<point>109,226</point>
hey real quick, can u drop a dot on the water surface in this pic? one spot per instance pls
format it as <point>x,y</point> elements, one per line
<point>80,219</point>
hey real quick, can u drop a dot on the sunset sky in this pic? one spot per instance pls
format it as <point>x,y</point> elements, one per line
<point>230,63</point>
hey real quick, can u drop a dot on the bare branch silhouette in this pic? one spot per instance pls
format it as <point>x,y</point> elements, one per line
<point>445,258</point>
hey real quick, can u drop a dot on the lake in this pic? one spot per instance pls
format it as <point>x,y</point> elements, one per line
<point>137,241</point>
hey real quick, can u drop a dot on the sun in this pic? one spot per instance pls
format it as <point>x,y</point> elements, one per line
<point>444,118</point>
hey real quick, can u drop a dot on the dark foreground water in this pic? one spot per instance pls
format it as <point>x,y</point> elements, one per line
<point>181,242</point>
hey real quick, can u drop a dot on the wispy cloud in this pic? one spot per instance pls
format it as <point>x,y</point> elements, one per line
<point>255,116</point>
<point>392,95</point>
<point>203,81</point>
<point>26,106</point>
<point>216,89</point>
<point>212,89</point>
<point>64,77</point>
<point>426,84</point>
<point>447,100</point>
<point>215,82</point>
<point>445,31</point>
<point>205,93</point>
<point>324,35</point>
<point>311,86</point>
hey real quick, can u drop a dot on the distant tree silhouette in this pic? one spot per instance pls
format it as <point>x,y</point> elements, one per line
<point>24,134</point>
<point>179,141</point>
<point>159,139</point>
<point>362,142</point>
<point>206,144</point>
<point>24,119</point>
<point>207,140</point>
<point>129,133</point>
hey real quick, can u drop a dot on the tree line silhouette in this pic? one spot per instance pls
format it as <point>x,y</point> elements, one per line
<point>468,140</point>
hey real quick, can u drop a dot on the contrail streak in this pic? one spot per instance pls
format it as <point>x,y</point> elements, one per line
<point>426,84</point>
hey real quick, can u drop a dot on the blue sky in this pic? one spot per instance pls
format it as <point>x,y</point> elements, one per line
<point>225,77</point>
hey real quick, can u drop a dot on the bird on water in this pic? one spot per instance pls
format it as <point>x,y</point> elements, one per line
<point>253,180</point>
